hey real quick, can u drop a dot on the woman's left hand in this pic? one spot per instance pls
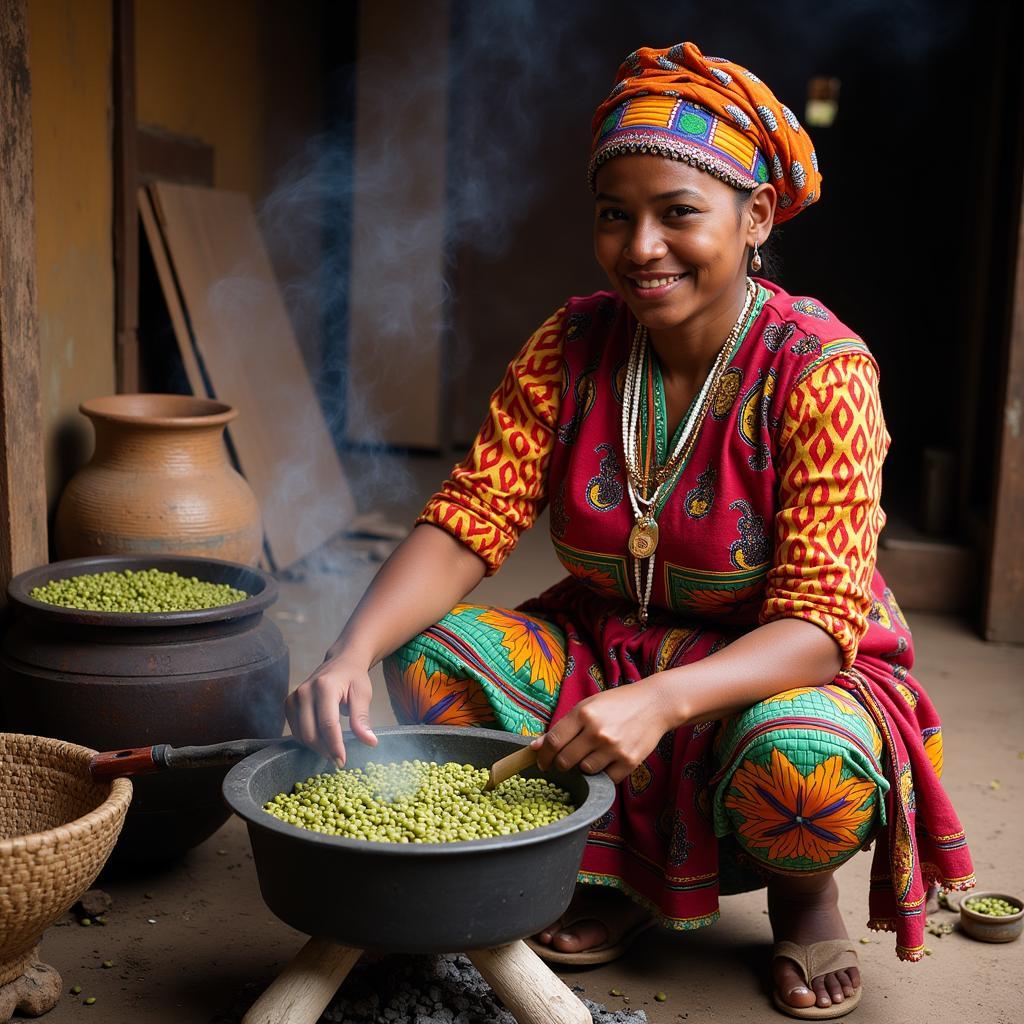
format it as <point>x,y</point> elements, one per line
<point>611,731</point>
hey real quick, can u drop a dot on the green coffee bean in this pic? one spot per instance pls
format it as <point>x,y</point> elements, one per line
<point>992,906</point>
<point>419,802</point>
<point>143,590</point>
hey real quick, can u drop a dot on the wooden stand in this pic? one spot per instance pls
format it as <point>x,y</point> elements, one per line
<point>523,982</point>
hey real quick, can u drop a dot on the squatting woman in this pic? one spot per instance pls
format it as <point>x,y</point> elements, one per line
<point>723,646</point>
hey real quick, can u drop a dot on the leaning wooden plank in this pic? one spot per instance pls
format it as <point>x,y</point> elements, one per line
<point>252,360</point>
<point>198,384</point>
<point>171,296</point>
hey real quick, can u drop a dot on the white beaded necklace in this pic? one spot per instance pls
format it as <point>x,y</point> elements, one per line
<point>643,538</point>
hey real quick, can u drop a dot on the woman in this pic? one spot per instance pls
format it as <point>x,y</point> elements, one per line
<point>711,449</point>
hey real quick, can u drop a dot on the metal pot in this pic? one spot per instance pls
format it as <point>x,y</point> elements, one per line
<point>107,680</point>
<point>413,898</point>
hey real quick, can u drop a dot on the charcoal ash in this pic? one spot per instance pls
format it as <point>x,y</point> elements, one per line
<point>433,990</point>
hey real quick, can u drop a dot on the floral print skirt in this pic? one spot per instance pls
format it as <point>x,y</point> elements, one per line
<point>795,783</point>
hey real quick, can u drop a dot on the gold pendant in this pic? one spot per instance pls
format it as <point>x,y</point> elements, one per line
<point>643,538</point>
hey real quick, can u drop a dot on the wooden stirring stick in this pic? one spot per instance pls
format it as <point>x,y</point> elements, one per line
<point>506,767</point>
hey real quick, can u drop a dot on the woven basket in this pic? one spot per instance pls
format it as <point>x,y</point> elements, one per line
<point>57,828</point>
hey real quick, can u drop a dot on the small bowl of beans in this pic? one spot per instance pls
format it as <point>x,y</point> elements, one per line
<point>992,916</point>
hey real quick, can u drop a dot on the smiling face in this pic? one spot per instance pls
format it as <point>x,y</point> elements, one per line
<point>673,240</point>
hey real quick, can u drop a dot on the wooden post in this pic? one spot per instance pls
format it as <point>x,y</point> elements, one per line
<point>22,483</point>
<point>1004,598</point>
<point>396,291</point>
<point>126,214</point>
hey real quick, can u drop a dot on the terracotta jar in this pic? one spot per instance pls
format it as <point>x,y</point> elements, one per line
<point>159,482</point>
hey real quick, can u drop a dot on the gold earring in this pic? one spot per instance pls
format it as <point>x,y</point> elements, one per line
<point>755,262</point>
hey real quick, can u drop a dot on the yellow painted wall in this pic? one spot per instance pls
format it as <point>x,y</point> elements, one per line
<point>70,45</point>
<point>199,71</point>
<point>245,76</point>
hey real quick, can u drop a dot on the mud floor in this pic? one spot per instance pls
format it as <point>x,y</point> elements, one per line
<point>194,943</point>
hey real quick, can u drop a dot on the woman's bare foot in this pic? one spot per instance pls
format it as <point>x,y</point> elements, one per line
<point>596,917</point>
<point>805,909</point>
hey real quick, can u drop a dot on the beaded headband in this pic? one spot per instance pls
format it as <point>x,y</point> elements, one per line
<point>680,130</point>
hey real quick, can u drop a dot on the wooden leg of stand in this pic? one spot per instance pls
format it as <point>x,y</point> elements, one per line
<point>533,993</point>
<point>301,992</point>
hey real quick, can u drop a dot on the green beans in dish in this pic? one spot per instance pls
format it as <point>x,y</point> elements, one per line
<point>143,590</point>
<point>991,906</point>
<point>419,802</point>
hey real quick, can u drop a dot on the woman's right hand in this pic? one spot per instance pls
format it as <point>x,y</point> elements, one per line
<point>393,610</point>
<point>340,686</point>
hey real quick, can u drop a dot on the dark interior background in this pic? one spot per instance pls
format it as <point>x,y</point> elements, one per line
<point>905,245</point>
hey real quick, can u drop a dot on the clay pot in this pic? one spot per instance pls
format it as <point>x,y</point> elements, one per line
<point>159,482</point>
<point>109,680</point>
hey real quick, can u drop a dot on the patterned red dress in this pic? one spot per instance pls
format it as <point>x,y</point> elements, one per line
<point>775,513</point>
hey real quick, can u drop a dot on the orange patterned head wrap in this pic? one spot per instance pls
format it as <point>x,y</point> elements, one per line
<point>712,114</point>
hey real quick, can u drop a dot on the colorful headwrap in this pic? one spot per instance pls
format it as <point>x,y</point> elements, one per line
<point>712,114</point>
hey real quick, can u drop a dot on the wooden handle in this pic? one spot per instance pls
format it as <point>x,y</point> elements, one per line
<point>527,986</point>
<point>509,766</point>
<point>301,992</point>
<point>113,764</point>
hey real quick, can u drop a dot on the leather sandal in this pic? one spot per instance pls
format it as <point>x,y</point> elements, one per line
<point>814,960</point>
<point>603,954</point>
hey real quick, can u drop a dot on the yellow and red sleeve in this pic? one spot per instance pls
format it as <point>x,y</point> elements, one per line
<point>498,489</point>
<point>832,443</point>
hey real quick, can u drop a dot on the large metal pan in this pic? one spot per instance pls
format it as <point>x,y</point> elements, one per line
<point>413,898</point>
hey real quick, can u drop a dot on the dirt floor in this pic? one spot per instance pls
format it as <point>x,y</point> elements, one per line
<point>194,944</point>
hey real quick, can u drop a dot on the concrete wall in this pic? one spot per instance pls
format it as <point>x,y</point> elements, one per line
<point>70,43</point>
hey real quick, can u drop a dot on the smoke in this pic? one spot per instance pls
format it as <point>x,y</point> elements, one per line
<point>366,220</point>
<point>436,166</point>
<point>363,223</point>
<point>512,61</point>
